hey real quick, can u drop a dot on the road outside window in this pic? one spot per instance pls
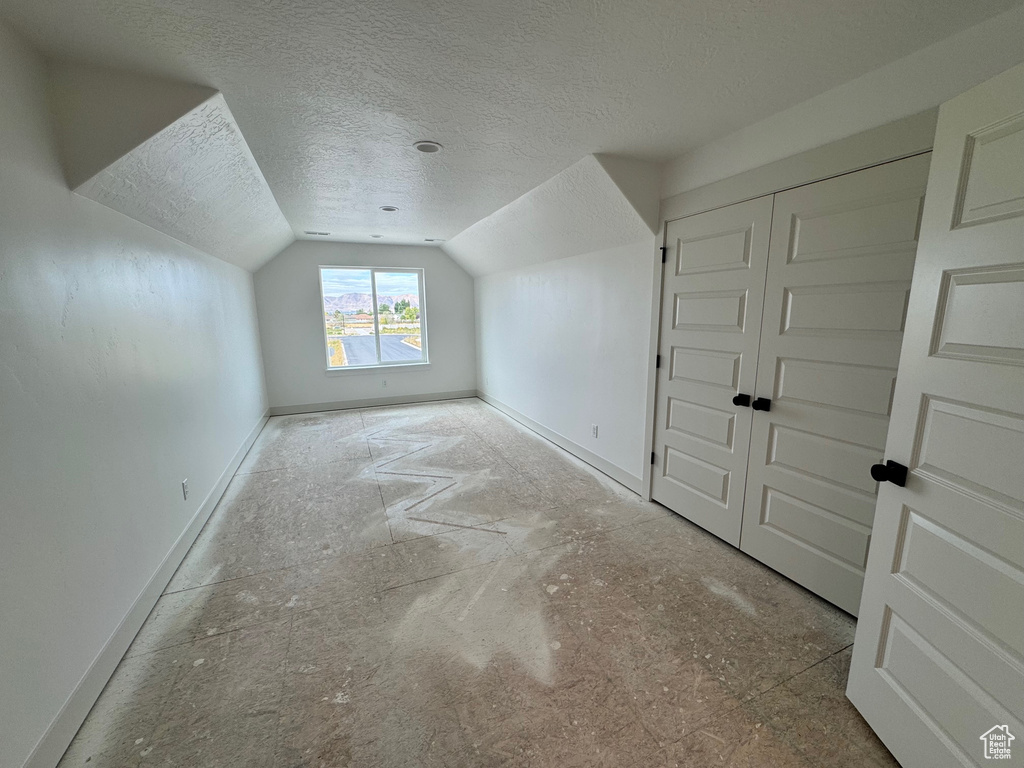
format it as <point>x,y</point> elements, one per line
<point>373,317</point>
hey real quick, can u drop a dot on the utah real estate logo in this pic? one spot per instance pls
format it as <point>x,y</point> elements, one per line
<point>997,742</point>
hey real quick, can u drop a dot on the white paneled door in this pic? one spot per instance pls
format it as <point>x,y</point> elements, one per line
<point>839,269</point>
<point>711,322</point>
<point>938,663</point>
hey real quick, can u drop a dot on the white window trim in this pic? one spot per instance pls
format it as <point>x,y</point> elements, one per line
<point>421,364</point>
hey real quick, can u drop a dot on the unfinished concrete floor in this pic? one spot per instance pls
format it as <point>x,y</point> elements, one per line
<point>434,585</point>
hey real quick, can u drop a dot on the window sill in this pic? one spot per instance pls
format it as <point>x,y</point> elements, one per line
<point>378,369</point>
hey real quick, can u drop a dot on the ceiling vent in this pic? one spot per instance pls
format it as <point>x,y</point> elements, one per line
<point>317,234</point>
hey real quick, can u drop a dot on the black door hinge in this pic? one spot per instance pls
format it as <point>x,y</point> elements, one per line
<point>657,361</point>
<point>664,254</point>
<point>653,456</point>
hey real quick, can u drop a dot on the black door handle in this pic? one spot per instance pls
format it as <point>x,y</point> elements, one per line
<point>741,400</point>
<point>761,404</point>
<point>891,471</point>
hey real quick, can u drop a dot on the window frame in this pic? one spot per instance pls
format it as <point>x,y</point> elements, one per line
<point>420,273</point>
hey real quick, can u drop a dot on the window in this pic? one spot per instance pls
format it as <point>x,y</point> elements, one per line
<point>373,316</point>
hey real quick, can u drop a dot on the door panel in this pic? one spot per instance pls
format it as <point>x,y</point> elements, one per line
<point>939,655</point>
<point>839,269</point>
<point>713,289</point>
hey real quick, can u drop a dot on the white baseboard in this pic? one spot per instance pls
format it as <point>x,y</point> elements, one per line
<point>341,405</point>
<point>616,473</point>
<point>51,747</point>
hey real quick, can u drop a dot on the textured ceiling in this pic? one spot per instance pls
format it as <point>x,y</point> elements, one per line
<point>197,181</point>
<point>330,94</point>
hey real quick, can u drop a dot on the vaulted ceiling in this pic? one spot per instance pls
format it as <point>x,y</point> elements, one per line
<point>331,94</point>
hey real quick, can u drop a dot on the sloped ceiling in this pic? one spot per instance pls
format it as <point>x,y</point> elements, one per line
<point>580,210</point>
<point>639,183</point>
<point>102,114</point>
<point>331,94</point>
<point>918,82</point>
<point>169,155</point>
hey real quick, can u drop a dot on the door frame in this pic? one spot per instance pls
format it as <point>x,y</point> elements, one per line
<point>904,138</point>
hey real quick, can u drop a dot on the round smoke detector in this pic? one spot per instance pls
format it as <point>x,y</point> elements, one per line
<point>430,147</point>
<point>389,208</point>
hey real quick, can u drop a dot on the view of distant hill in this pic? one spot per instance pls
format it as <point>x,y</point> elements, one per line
<point>349,303</point>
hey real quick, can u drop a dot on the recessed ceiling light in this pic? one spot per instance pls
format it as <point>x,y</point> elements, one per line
<point>430,147</point>
<point>319,234</point>
<point>376,235</point>
<point>388,208</point>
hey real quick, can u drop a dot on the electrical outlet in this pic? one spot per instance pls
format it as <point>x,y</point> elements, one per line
<point>593,429</point>
<point>383,383</point>
<point>184,488</point>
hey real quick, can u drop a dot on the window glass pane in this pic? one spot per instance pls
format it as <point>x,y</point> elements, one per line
<point>348,317</point>
<point>398,308</point>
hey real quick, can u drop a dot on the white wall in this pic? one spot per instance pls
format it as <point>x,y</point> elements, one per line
<point>128,362</point>
<point>291,328</point>
<point>564,278</point>
<point>566,344</point>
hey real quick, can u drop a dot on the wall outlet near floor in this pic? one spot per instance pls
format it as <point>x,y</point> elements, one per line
<point>184,488</point>
<point>383,383</point>
<point>593,429</point>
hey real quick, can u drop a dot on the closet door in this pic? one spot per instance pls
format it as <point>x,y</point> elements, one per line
<point>938,663</point>
<point>712,292</point>
<point>839,268</point>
